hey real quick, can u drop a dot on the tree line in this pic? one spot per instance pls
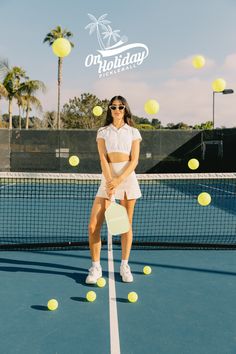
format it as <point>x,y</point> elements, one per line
<point>78,114</point>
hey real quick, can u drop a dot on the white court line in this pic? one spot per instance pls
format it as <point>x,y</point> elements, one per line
<point>218,189</point>
<point>114,328</point>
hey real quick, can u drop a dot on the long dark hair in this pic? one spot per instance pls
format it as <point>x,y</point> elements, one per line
<point>127,116</point>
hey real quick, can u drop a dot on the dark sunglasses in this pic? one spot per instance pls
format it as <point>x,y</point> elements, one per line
<point>113,107</point>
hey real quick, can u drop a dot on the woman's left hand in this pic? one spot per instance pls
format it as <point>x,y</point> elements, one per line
<point>113,183</point>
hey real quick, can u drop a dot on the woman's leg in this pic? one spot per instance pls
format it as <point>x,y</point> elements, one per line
<point>126,242</point>
<point>127,238</point>
<point>94,228</point>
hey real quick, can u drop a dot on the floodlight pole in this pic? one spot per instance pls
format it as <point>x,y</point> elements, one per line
<point>225,92</point>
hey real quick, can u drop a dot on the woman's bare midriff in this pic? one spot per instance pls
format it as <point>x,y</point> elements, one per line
<point>118,157</point>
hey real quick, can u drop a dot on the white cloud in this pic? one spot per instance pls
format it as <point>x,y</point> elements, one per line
<point>184,67</point>
<point>230,62</point>
<point>185,95</point>
<point>181,100</point>
<point>191,101</point>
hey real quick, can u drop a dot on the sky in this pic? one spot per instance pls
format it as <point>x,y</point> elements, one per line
<point>173,31</point>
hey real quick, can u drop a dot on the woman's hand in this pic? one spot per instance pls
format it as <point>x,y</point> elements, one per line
<point>111,186</point>
<point>110,192</point>
<point>113,183</point>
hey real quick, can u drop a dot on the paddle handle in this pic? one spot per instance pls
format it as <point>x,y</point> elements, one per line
<point>113,199</point>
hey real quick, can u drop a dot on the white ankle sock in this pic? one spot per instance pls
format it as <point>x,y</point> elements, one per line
<point>96,264</point>
<point>124,262</point>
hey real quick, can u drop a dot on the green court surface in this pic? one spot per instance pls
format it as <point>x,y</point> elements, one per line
<point>185,306</point>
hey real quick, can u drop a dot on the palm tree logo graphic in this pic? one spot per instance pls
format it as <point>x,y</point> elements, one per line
<point>115,55</point>
<point>108,33</point>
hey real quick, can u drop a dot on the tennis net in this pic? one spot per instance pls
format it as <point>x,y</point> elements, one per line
<point>41,210</point>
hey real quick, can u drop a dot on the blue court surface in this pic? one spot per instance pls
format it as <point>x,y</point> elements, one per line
<point>187,304</point>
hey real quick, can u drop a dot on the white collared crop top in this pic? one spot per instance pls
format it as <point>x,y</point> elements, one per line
<point>118,140</point>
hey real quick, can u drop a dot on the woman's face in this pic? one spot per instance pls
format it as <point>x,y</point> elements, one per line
<point>117,114</point>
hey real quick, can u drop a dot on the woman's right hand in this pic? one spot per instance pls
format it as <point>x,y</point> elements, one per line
<point>110,192</point>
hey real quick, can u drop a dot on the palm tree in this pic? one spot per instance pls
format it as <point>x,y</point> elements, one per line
<point>31,101</point>
<point>11,82</point>
<point>20,104</point>
<point>100,22</point>
<point>50,38</point>
<point>28,89</point>
<point>110,34</point>
<point>3,93</point>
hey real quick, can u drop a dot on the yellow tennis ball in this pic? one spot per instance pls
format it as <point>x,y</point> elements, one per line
<point>198,61</point>
<point>132,296</point>
<point>91,296</point>
<point>101,282</point>
<point>97,111</point>
<point>61,47</point>
<point>74,160</point>
<point>147,270</point>
<point>52,304</point>
<point>151,107</point>
<point>193,164</point>
<point>218,85</point>
<point>204,199</point>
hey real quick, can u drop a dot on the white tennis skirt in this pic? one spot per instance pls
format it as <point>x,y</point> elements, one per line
<point>130,185</point>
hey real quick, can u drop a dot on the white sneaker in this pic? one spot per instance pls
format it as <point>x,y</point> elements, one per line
<point>94,274</point>
<point>126,274</point>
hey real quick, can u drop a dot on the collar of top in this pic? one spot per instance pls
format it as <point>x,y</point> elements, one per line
<point>125,126</point>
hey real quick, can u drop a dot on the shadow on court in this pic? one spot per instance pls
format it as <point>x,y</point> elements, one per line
<point>39,307</point>
<point>80,277</point>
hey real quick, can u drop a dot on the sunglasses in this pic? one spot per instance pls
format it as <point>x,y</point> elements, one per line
<point>113,107</point>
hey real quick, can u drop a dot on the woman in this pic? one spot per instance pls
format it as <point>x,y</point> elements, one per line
<point>118,146</point>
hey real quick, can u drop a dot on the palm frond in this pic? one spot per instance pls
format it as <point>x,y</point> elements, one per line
<point>34,101</point>
<point>48,38</point>
<point>105,22</point>
<point>102,17</point>
<point>31,86</point>
<point>115,35</point>
<point>69,34</point>
<point>93,18</point>
<point>106,35</point>
<point>57,33</point>
<point>3,91</point>
<point>4,67</point>
<point>58,29</point>
<point>92,27</point>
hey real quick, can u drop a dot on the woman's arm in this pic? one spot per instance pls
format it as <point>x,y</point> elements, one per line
<point>103,159</point>
<point>130,166</point>
<point>104,164</point>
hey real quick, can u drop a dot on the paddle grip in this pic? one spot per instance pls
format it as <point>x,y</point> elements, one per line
<point>113,199</point>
